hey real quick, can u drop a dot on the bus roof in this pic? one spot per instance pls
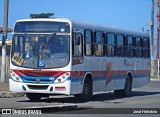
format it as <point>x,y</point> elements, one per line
<point>45,19</point>
<point>85,25</point>
<point>111,29</point>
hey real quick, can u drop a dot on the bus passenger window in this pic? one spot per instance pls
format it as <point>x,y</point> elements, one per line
<point>129,48</point>
<point>99,45</point>
<point>146,50</point>
<point>120,45</point>
<point>110,47</point>
<point>138,48</point>
<point>88,43</point>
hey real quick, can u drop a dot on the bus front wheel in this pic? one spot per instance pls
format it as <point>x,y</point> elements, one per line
<point>87,91</point>
<point>34,96</point>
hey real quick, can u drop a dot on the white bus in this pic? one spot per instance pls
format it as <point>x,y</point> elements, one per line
<point>61,56</point>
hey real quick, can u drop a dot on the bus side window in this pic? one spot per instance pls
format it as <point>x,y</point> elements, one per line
<point>130,48</point>
<point>146,50</point>
<point>88,43</point>
<point>99,44</point>
<point>138,47</point>
<point>77,45</point>
<point>120,45</point>
<point>110,44</point>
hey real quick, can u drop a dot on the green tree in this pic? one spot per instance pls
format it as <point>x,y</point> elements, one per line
<point>42,15</point>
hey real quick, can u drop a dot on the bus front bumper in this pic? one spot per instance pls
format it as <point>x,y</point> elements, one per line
<point>21,87</point>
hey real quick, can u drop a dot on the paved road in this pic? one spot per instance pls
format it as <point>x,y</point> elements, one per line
<point>147,97</point>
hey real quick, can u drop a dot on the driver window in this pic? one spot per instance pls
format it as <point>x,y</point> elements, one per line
<point>77,44</point>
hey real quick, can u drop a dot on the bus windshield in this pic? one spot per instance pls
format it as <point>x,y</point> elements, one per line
<point>37,51</point>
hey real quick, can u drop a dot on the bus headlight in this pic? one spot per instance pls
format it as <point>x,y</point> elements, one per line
<point>15,77</point>
<point>62,78</point>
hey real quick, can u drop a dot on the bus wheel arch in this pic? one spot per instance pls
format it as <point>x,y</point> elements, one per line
<point>127,87</point>
<point>87,89</point>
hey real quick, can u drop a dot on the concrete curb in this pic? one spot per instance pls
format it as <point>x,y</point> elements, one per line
<point>10,94</point>
<point>155,79</point>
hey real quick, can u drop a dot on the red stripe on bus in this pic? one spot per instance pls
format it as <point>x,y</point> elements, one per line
<point>107,73</point>
<point>36,73</point>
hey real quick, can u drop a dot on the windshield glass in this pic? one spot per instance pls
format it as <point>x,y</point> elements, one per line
<point>40,50</point>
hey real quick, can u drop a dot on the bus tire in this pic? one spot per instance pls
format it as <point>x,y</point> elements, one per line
<point>87,93</point>
<point>127,89</point>
<point>34,96</point>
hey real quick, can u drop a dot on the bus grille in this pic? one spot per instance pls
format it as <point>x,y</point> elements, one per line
<point>38,87</point>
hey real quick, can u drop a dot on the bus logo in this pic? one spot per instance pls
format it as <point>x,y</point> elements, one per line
<point>6,111</point>
<point>37,80</point>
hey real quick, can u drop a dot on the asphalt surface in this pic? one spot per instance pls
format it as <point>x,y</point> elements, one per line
<point>147,97</point>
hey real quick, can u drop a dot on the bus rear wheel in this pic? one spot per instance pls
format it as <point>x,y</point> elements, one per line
<point>34,96</point>
<point>87,93</point>
<point>127,89</point>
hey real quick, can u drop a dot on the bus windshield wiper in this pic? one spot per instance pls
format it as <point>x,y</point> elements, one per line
<point>47,41</point>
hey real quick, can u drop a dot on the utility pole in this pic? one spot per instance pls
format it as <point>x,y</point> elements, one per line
<point>158,28</point>
<point>152,30</point>
<point>5,27</point>
<point>158,34</point>
<point>153,73</point>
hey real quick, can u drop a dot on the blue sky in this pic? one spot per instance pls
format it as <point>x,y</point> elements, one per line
<point>128,14</point>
